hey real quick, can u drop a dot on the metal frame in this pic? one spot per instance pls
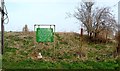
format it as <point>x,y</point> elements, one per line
<point>53,32</point>
<point>44,25</point>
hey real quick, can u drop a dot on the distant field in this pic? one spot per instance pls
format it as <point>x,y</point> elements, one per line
<point>67,51</point>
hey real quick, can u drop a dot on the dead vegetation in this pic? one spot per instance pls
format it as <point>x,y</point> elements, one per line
<point>117,51</point>
<point>67,47</point>
<point>70,46</point>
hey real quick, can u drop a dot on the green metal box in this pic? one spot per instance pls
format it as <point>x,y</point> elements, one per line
<point>44,35</point>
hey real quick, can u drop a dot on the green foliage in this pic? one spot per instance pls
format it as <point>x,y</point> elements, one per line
<point>9,49</point>
<point>99,46</point>
<point>64,42</point>
<point>24,53</point>
<point>30,64</point>
<point>102,65</point>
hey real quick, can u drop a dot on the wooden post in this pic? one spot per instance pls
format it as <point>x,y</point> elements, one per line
<point>81,32</point>
<point>81,39</point>
<point>2,26</point>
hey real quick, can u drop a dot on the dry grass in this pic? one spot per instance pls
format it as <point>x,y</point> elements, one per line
<point>64,47</point>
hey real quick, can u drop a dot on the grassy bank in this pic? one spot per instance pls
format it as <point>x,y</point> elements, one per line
<point>21,50</point>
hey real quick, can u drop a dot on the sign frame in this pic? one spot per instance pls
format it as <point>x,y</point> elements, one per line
<point>39,27</point>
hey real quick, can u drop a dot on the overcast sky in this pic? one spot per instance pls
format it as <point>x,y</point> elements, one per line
<point>32,12</point>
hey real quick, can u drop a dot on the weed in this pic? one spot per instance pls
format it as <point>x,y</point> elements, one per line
<point>65,58</point>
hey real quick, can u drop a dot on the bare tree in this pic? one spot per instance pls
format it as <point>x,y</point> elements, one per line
<point>95,20</point>
<point>103,21</point>
<point>83,14</point>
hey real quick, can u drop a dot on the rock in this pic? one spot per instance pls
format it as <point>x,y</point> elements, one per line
<point>39,56</point>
